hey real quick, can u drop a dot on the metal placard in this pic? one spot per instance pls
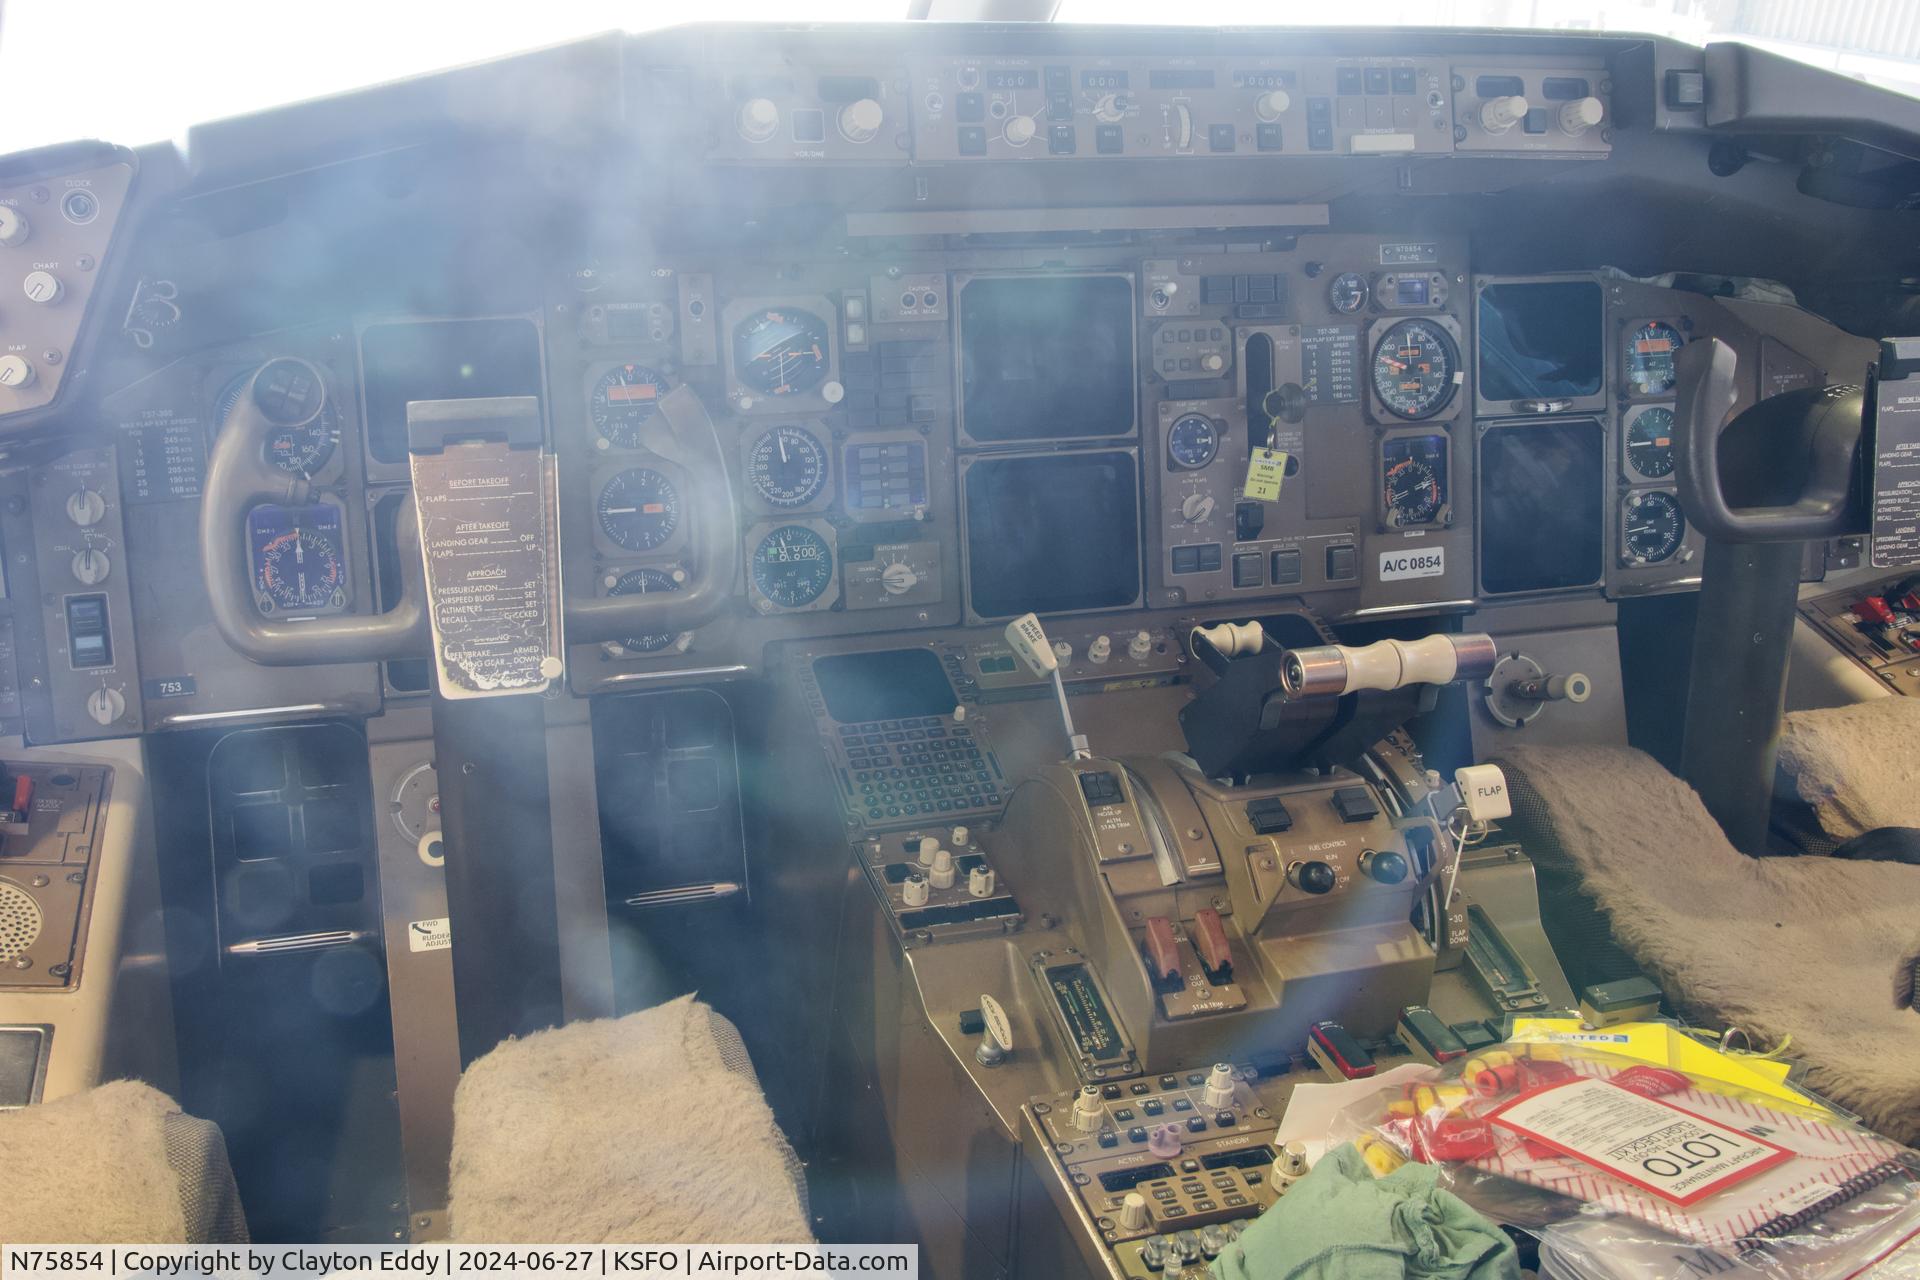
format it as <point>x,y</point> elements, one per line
<point>486,495</point>
<point>1895,452</point>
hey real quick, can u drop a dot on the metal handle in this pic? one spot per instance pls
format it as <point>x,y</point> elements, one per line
<point>716,543</point>
<point>1814,433</point>
<point>1331,670</point>
<point>239,478</point>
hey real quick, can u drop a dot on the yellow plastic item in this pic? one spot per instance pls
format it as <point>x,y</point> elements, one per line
<point>1380,1156</point>
<point>1666,1046</point>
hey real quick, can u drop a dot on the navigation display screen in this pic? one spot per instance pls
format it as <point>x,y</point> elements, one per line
<point>1053,534</point>
<point>889,685</point>
<point>1542,486</point>
<point>1046,357</point>
<point>1541,341</point>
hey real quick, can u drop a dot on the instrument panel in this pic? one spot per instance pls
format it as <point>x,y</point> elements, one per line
<point>1355,419</point>
<point>927,423</point>
<point>950,438</point>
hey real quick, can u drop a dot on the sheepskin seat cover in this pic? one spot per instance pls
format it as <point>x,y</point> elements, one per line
<point>1856,765</point>
<point>1807,947</point>
<point>633,1129</point>
<point>118,1164</point>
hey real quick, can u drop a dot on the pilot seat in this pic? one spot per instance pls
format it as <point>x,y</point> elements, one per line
<point>114,1164</point>
<point>1634,872</point>
<point>647,1127</point>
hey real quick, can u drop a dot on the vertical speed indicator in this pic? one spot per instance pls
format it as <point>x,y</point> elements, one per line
<point>639,509</point>
<point>1650,443</point>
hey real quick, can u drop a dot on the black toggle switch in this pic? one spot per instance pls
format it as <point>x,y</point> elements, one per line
<point>1387,868</point>
<point>1101,787</point>
<point>1249,518</point>
<point>1314,877</point>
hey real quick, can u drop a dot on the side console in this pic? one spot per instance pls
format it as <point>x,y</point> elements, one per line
<point>1165,1171</point>
<point>50,821</point>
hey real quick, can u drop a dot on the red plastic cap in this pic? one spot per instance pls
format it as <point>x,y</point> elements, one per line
<point>1210,937</point>
<point>1163,953</point>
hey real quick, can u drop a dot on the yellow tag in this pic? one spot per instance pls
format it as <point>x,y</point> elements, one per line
<point>1265,470</point>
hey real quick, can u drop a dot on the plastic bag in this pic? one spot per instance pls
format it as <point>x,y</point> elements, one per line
<point>1626,1168</point>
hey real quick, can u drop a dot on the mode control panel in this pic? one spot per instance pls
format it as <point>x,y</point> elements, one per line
<point>1016,108</point>
<point>54,233</point>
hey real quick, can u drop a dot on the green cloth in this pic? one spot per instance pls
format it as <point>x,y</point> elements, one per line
<point>1341,1223</point>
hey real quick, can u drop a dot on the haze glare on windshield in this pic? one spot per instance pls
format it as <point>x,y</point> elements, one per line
<point>138,71</point>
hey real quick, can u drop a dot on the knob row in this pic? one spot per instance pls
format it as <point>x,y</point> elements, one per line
<point>758,120</point>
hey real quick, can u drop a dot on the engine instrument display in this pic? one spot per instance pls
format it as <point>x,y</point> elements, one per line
<point>1053,533</point>
<point>1650,443</point>
<point>1542,505</point>
<point>639,509</point>
<point>300,450</point>
<point>1414,475</point>
<point>1415,364</point>
<point>1652,527</point>
<point>637,582</point>
<point>623,401</point>
<point>791,567</point>
<point>787,467</point>
<point>780,351</point>
<point>1192,442</point>
<point>1348,292</point>
<point>1650,352</point>
<point>1047,357</point>
<point>299,560</point>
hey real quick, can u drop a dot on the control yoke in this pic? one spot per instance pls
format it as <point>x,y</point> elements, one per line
<point>1813,433</point>
<point>1790,474</point>
<point>284,394</point>
<point>287,393</point>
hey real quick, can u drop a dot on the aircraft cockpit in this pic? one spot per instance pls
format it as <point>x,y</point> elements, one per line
<point>1035,644</point>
